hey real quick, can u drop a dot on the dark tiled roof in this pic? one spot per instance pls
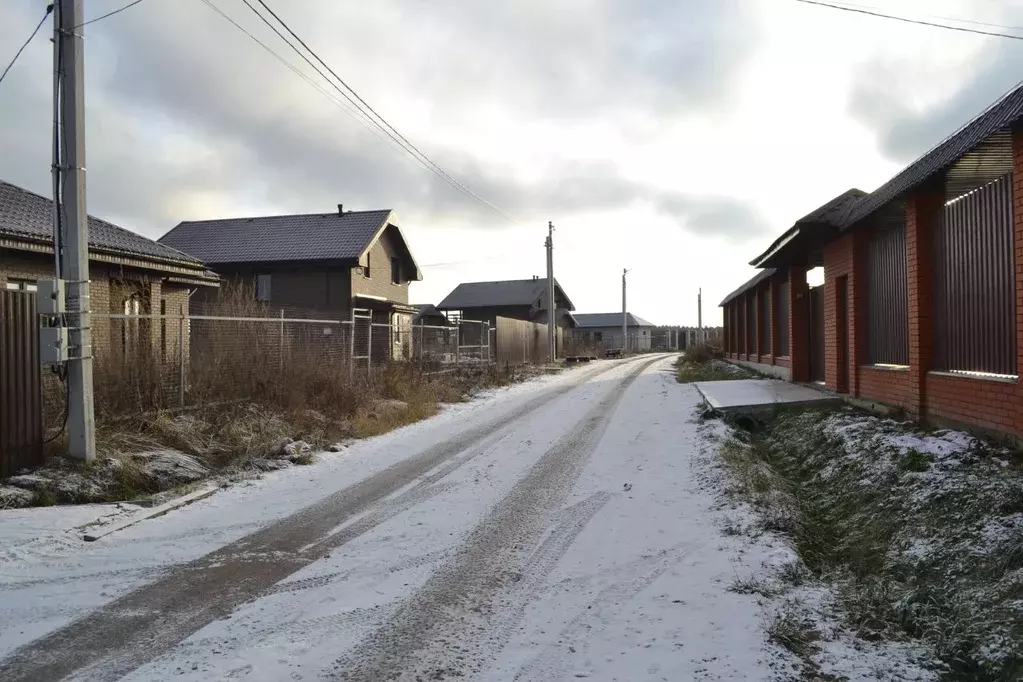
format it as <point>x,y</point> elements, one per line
<point>750,284</point>
<point>610,320</point>
<point>315,236</point>
<point>996,118</point>
<point>27,215</point>
<point>835,211</point>
<point>831,214</point>
<point>492,294</point>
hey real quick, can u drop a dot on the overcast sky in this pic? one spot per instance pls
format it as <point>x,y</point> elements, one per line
<point>675,138</point>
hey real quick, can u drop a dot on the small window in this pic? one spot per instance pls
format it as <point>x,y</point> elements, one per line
<point>395,271</point>
<point>21,285</point>
<point>131,331</point>
<point>263,288</point>
<point>365,270</point>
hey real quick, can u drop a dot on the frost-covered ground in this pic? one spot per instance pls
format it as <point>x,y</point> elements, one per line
<point>590,538</point>
<point>910,538</point>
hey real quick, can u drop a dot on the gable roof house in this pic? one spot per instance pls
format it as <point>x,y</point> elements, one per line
<point>606,328</point>
<point>328,262</point>
<point>519,299</point>
<point>129,274</point>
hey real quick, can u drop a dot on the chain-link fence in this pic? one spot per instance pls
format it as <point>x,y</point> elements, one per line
<point>151,362</point>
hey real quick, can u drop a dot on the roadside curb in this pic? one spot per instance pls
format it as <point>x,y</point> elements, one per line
<point>191,497</point>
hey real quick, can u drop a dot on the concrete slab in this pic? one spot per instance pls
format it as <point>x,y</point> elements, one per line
<point>754,394</point>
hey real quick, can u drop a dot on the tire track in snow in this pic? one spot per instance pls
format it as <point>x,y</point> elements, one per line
<point>447,627</point>
<point>550,664</point>
<point>144,624</point>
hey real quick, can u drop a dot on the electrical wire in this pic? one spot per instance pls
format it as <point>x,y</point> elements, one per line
<point>938,17</point>
<point>355,114</point>
<point>108,14</point>
<point>921,22</point>
<point>380,121</point>
<point>49,9</point>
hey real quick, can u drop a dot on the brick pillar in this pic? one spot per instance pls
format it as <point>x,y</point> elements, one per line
<point>727,324</point>
<point>756,322</point>
<point>1017,228</point>
<point>923,211</point>
<point>772,292</point>
<point>858,310</point>
<point>799,324</point>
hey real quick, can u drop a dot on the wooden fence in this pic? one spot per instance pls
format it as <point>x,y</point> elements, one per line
<point>518,342</point>
<point>21,406</point>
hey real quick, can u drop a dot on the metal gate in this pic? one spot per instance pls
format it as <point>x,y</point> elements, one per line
<point>816,303</point>
<point>21,405</point>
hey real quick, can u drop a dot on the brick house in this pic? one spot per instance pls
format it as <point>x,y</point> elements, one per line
<point>129,274</point>
<point>332,263</point>
<point>921,302</point>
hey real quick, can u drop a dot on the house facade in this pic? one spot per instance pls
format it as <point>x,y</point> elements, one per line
<point>920,306</point>
<point>605,330</point>
<point>335,263</point>
<point>129,274</point>
<point>518,299</point>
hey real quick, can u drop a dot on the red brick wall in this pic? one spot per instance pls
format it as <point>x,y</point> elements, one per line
<point>889,386</point>
<point>838,262</point>
<point>985,403</point>
<point>991,404</point>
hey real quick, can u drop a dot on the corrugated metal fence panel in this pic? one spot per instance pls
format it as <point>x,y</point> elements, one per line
<point>887,295</point>
<point>974,283</point>
<point>751,325</point>
<point>764,322</point>
<point>781,312</point>
<point>21,406</point>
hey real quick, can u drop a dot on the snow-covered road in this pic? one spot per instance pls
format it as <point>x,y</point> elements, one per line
<point>554,530</point>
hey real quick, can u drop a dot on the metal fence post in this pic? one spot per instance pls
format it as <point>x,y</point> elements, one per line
<point>181,355</point>
<point>458,345</point>
<point>351,344</point>
<point>280,359</point>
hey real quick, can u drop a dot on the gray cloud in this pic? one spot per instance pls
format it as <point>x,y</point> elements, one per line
<point>168,69</point>
<point>879,100</point>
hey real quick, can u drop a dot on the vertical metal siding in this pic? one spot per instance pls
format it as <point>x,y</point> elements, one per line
<point>781,311</point>
<point>764,321</point>
<point>751,324</point>
<point>974,283</point>
<point>21,407</point>
<point>887,295</point>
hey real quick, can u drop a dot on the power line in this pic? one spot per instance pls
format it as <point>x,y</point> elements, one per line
<point>940,17</point>
<point>109,14</point>
<point>907,20</point>
<point>49,9</point>
<point>355,114</point>
<point>414,151</point>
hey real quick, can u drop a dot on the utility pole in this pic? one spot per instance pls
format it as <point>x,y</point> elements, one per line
<point>75,255</point>
<point>699,313</point>
<point>625,317</point>
<point>551,321</point>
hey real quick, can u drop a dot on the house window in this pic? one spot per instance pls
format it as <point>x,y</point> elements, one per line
<point>365,270</point>
<point>20,285</point>
<point>395,271</point>
<point>263,288</point>
<point>130,332</point>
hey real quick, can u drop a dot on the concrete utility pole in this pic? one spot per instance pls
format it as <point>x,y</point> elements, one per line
<point>551,319</point>
<point>699,312</point>
<point>625,317</point>
<point>68,17</point>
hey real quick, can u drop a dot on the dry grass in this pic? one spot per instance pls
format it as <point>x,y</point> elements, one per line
<point>914,548</point>
<point>249,388</point>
